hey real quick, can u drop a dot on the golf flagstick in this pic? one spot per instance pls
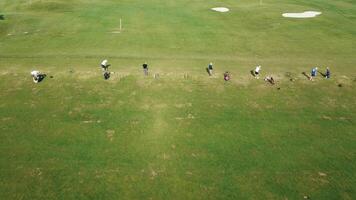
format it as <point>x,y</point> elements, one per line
<point>120,25</point>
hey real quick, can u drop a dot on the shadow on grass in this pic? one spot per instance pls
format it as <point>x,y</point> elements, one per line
<point>321,73</point>
<point>290,76</point>
<point>41,77</point>
<point>253,73</point>
<point>207,71</point>
<point>306,75</point>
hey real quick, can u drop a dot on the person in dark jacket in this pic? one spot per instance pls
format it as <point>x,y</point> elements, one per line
<point>327,74</point>
<point>145,68</point>
<point>210,69</point>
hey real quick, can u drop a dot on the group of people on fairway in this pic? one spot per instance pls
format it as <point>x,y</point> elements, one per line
<point>105,67</point>
<point>270,79</point>
<point>38,76</point>
<point>314,72</point>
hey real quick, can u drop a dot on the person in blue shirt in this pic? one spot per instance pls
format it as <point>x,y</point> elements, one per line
<point>313,73</point>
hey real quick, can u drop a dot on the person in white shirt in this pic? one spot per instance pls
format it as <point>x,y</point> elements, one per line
<point>104,64</point>
<point>257,71</point>
<point>37,76</point>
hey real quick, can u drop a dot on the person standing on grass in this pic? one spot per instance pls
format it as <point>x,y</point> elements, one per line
<point>227,76</point>
<point>210,69</point>
<point>327,74</point>
<point>270,79</point>
<point>37,76</point>
<point>313,73</point>
<point>257,71</point>
<point>106,75</point>
<point>104,65</point>
<point>145,68</point>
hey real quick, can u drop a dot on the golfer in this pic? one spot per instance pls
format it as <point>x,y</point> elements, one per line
<point>270,79</point>
<point>37,76</point>
<point>327,74</point>
<point>145,68</point>
<point>257,71</point>
<point>313,73</point>
<point>226,76</point>
<point>104,65</point>
<point>106,75</point>
<point>210,69</point>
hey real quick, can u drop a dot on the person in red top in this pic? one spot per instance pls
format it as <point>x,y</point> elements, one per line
<point>226,76</point>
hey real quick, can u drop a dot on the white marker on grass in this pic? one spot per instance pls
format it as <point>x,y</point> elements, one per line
<point>221,9</point>
<point>306,14</point>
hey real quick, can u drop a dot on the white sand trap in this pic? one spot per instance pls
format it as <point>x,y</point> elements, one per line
<point>220,9</point>
<point>306,14</point>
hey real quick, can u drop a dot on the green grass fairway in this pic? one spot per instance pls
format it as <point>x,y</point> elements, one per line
<point>184,135</point>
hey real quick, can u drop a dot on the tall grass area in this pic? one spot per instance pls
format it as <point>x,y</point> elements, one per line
<point>184,135</point>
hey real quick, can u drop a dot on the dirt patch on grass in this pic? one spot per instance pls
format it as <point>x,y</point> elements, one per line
<point>145,107</point>
<point>153,174</point>
<point>4,73</point>
<point>241,80</point>
<point>189,116</point>
<point>53,6</point>
<point>87,121</point>
<point>87,75</point>
<point>344,81</point>
<point>326,117</point>
<point>189,173</point>
<point>160,106</point>
<point>37,172</point>
<point>322,174</point>
<point>110,134</point>
<point>144,82</point>
<point>253,105</point>
<point>166,156</point>
<point>6,119</point>
<point>183,105</point>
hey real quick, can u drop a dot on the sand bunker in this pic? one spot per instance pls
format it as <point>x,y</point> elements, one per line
<point>220,9</point>
<point>306,14</point>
